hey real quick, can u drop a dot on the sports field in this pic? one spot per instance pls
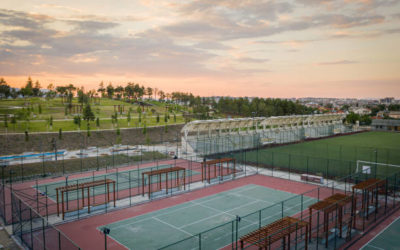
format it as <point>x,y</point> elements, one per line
<point>124,180</point>
<point>177,223</point>
<point>387,239</point>
<point>335,156</point>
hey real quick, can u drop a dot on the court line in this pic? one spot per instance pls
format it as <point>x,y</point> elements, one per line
<point>239,195</point>
<point>177,228</point>
<point>217,215</point>
<point>217,196</point>
<point>384,229</point>
<point>263,219</point>
<point>375,247</point>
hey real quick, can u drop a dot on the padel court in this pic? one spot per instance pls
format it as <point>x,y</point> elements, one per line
<point>124,180</point>
<point>387,239</point>
<point>160,228</point>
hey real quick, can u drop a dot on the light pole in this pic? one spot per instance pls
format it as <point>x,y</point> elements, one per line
<point>106,231</point>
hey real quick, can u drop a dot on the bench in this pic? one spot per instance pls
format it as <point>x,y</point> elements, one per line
<point>312,178</point>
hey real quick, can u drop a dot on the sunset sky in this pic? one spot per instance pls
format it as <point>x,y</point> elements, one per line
<point>293,48</point>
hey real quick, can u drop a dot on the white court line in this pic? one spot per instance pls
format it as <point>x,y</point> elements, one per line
<point>239,195</point>
<point>253,223</point>
<point>177,228</point>
<point>376,247</point>
<point>383,230</point>
<point>217,196</point>
<point>215,215</point>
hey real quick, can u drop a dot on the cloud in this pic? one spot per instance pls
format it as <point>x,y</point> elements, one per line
<point>92,26</point>
<point>341,62</point>
<point>252,60</point>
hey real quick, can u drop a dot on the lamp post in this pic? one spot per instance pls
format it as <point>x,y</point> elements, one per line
<point>106,231</point>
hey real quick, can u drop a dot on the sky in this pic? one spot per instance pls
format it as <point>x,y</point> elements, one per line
<point>265,48</point>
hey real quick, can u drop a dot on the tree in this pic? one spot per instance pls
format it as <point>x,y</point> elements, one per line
<point>88,129</point>
<point>5,90</point>
<point>82,97</point>
<point>144,128</point>
<point>174,118</point>
<point>62,91</point>
<point>128,118</point>
<point>13,121</point>
<point>26,135</point>
<point>97,122</point>
<point>352,118</point>
<point>101,89</point>
<point>110,91</point>
<point>77,121</point>
<point>6,122</point>
<point>40,108</point>
<point>119,90</point>
<point>50,91</point>
<point>158,118</point>
<point>50,122</point>
<point>36,90</point>
<point>28,89</point>
<point>70,88</point>
<point>161,94</point>
<point>155,93</point>
<point>149,92</point>
<point>88,114</point>
<point>365,120</point>
<point>114,118</point>
<point>60,134</point>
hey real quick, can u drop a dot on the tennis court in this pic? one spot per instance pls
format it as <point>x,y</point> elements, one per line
<point>387,239</point>
<point>124,180</point>
<point>181,222</point>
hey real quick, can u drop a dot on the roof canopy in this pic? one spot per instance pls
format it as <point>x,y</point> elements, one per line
<point>206,125</point>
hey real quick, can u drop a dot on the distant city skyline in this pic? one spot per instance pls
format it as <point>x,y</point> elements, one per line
<point>279,49</point>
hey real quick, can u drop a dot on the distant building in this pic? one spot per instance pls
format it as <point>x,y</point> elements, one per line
<point>387,100</point>
<point>391,114</point>
<point>394,114</point>
<point>360,111</point>
<point>386,125</point>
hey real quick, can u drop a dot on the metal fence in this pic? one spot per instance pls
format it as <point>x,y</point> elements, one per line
<point>34,231</point>
<point>42,197</point>
<point>353,224</point>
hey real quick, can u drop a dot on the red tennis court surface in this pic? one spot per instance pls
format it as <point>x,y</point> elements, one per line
<point>85,232</point>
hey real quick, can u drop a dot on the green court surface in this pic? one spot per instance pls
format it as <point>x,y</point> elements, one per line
<point>335,156</point>
<point>124,179</point>
<point>388,239</point>
<point>212,216</point>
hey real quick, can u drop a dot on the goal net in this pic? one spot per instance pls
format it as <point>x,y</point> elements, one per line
<point>376,168</point>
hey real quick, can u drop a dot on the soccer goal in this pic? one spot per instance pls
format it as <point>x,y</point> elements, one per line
<point>372,168</point>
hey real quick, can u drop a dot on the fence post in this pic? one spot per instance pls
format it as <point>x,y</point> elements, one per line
<point>233,229</point>
<point>59,240</point>
<point>30,220</point>
<point>44,235</point>
<point>199,241</point>
<point>237,229</point>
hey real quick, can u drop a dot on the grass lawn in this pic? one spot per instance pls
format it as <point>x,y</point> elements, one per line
<point>56,109</point>
<point>333,156</point>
